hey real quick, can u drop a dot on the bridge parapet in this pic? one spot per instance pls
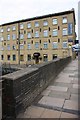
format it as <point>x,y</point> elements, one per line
<point>22,87</point>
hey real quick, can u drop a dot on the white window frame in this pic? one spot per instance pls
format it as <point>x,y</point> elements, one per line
<point>29,46</point>
<point>55,45</point>
<point>14,36</point>
<point>45,23</point>
<point>65,43</point>
<point>55,21</point>
<point>45,33</point>
<point>21,26</point>
<point>36,45</point>
<point>21,46</point>
<point>13,28</point>
<point>45,45</point>
<point>28,35</point>
<point>28,25</point>
<point>8,47</point>
<point>8,37</point>
<point>1,30</point>
<point>8,29</point>
<point>36,34</point>
<point>14,47</point>
<point>1,39</point>
<point>21,36</point>
<point>64,20</point>
<point>55,32</point>
<point>36,24</point>
<point>65,31</point>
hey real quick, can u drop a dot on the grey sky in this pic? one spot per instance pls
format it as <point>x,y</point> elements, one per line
<point>12,10</point>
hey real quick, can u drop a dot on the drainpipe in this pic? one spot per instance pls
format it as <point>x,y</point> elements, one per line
<point>18,43</point>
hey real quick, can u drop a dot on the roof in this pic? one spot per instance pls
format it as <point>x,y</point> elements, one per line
<point>41,17</point>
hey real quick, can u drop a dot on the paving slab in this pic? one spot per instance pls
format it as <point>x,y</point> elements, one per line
<point>64,80</point>
<point>68,115</point>
<point>76,86</point>
<point>46,92</point>
<point>51,114</point>
<point>71,105</point>
<point>58,88</point>
<point>58,94</point>
<point>75,97</point>
<point>74,91</point>
<point>51,102</point>
<point>34,112</point>
<point>62,84</point>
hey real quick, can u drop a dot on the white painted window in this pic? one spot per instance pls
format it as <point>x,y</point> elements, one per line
<point>28,35</point>
<point>1,30</point>
<point>65,31</point>
<point>55,32</point>
<point>65,45</point>
<point>28,25</point>
<point>55,45</point>
<point>8,47</point>
<point>36,24</point>
<point>28,46</point>
<point>45,33</point>
<point>13,36</point>
<point>21,36</point>
<point>13,28</point>
<point>8,37</point>
<point>14,47</point>
<point>54,21</point>
<point>37,34</point>
<point>1,39</point>
<point>45,23</point>
<point>64,20</point>
<point>36,45</point>
<point>21,26</point>
<point>45,45</point>
<point>21,46</point>
<point>8,29</point>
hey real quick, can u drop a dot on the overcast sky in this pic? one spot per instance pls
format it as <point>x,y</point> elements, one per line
<point>12,10</point>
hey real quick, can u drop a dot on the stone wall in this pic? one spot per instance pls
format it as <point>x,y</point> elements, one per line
<point>22,87</point>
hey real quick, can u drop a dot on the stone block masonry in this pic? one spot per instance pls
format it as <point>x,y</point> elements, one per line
<point>22,87</point>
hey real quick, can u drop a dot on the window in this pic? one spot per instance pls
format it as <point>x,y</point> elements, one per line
<point>65,45</point>
<point>13,47</point>
<point>14,57</point>
<point>29,46</point>
<point>8,47</point>
<point>45,33</point>
<point>45,45</point>
<point>64,31</point>
<point>36,45</point>
<point>1,30</point>
<point>55,21</point>
<point>1,48</point>
<point>37,34</point>
<point>13,36</point>
<point>8,29</point>
<point>13,28</point>
<point>21,36</point>
<point>29,35</point>
<point>21,26</point>
<point>2,57</point>
<point>55,45</point>
<point>21,57</point>
<point>55,33</point>
<point>1,39</point>
<point>64,20</point>
<point>21,46</point>
<point>54,56</point>
<point>36,24</point>
<point>29,25</point>
<point>45,57</point>
<point>29,57</point>
<point>8,37</point>
<point>45,23</point>
<point>8,57</point>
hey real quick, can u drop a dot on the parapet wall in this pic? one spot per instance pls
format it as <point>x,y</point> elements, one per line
<point>22,87</point>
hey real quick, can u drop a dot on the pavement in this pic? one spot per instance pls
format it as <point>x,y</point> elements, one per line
<point>60,99</point>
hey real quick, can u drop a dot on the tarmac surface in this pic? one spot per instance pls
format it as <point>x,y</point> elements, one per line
<point>60,99</point>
